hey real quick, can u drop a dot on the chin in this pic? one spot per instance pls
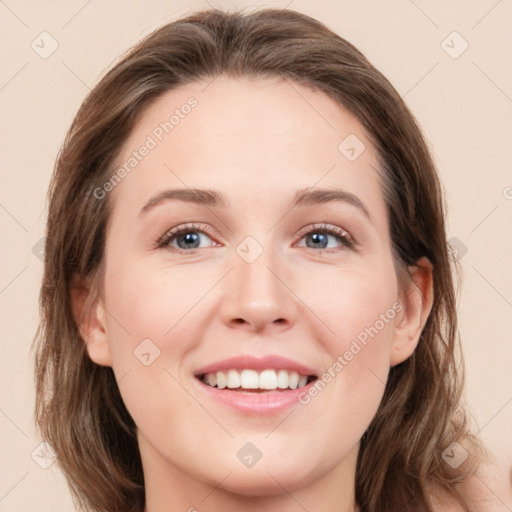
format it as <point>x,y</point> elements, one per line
<point>266,478</point>
<point>261,483</point>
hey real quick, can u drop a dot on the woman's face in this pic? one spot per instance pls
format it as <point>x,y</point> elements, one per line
<point>279,272</point>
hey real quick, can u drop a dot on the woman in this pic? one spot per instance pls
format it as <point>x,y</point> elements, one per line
<point>248,301</point>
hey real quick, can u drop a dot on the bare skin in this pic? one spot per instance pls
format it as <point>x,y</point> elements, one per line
<point>257,143</point>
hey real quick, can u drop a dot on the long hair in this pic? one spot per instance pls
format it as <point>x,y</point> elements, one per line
<point>79,410</point>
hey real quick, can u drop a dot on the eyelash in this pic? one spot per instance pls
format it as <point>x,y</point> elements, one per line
<point>343,236</point>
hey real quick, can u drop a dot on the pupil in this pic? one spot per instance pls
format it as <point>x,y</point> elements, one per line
<point>190,237</point>
<point>318,237</point>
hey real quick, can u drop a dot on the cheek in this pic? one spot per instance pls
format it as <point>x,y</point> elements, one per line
<point>354,307</point>
<point>149,329</point>
<point>149,304</point>
<point>358,313</point>
<point>365,326</point>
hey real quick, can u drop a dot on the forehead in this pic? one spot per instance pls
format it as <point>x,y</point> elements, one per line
<point>253,139</point>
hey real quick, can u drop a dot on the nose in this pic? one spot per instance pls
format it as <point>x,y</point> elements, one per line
<point>258,297</point>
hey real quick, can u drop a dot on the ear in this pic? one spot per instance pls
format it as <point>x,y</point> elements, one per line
<point>90,318</point>
<point>417,298</point>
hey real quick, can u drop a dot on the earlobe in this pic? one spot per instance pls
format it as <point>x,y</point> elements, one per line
<point>417,300</point>
<point>90,319</point>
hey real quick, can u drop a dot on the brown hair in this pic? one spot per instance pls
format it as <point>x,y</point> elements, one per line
<point>79,410</point>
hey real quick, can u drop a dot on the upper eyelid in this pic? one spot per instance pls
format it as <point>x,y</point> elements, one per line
<point>322,226</point>
<point>192,226</point>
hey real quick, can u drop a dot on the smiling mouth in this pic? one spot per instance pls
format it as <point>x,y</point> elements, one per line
<point>252,381</point>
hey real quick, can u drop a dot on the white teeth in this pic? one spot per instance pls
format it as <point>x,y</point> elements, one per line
<point>233,379</point>
<point>268,379</point>
<point>221,380</point>
<point>282,379</point>
<point>293,380</point>
<point>251,379</point>
<point>211,379</point>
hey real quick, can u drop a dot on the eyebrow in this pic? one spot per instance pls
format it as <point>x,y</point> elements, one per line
<point>189,195</point>
<point>213,198</point>
<point>307,197</point>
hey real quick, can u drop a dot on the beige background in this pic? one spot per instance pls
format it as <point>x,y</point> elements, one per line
<point>464,105</point>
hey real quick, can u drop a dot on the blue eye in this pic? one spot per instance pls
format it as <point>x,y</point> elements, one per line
<point>186,237</point>
<point>320,235</point>
<point>190,239</point>
<point>319,240</point>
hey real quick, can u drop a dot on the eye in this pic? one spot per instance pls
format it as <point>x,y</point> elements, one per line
<point>185,239</point>
<point>319,235</point>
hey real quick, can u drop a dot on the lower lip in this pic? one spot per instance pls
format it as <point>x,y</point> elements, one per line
<point>255,403</point>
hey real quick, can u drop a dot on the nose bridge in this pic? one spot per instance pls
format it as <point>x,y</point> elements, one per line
<point>257,296</point>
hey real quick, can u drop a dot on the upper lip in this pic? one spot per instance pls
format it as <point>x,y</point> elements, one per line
<point>242,362</point>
